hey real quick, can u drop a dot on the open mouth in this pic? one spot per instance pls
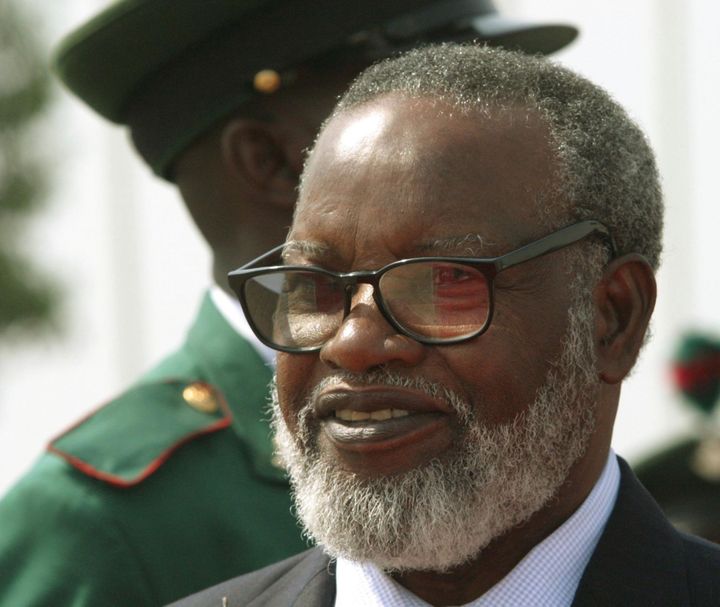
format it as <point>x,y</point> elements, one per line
<point>379,418</point>
<point>373,433</point>
<point>380,415</point>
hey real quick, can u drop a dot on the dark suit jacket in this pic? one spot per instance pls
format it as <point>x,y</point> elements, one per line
<point>640,561</point>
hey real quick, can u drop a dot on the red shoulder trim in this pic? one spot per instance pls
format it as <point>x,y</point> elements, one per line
<point>120,482</point>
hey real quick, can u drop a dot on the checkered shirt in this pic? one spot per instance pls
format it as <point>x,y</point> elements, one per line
<point>548,576</point>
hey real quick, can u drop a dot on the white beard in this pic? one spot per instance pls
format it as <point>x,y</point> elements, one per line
<point>442,514</point>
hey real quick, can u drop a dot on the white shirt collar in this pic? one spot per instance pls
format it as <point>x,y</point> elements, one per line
<point>232,312</point>
<point>548,576</point>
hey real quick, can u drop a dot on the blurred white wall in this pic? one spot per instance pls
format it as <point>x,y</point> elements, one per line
<point>134,268</point>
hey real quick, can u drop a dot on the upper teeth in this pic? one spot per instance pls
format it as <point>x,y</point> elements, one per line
<point>382,414</point>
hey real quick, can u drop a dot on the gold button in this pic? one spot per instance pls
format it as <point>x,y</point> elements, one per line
<point>267,81</point>
<point>201,397</point>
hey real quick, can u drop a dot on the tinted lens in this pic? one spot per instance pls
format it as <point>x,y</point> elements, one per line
<point>295,309</point>
<point>437,299</point>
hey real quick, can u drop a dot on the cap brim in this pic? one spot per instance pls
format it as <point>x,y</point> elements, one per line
<point>170,83</point>
<point>529,37</point>
<point>104,60</point>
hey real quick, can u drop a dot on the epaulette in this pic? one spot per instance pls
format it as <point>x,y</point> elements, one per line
<point>126,440</point>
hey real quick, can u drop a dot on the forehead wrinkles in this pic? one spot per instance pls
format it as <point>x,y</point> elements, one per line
<point>344,167</point>
<point>403,166</point>
<point>403,135</point>
<point>347,195</point>
<point>375,155</point>
<point>381,125</point>
<point>431,140</point>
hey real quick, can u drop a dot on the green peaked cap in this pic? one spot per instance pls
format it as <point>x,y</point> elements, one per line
<point>171,69</point>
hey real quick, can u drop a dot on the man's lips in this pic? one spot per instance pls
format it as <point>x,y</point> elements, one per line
<point>378,417</point>
<point>372,399</point>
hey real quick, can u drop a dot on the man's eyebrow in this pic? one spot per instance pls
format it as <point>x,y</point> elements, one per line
<point>468,244</point>
<point>306,248</point>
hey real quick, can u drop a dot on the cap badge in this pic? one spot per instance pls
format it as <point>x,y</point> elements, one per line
<point>267,81</point>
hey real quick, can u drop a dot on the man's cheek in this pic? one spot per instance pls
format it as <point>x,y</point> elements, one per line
<point>293,375</point>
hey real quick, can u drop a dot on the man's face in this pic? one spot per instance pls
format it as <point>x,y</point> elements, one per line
<point>396,179</point>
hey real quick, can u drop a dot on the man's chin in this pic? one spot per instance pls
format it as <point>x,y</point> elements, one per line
<point>386,520</point>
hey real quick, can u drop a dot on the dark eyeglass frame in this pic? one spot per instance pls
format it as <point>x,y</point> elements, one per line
<point>490,267</point>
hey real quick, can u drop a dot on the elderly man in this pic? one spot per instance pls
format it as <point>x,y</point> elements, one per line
<point>171,487</point>
<point>468,279</point>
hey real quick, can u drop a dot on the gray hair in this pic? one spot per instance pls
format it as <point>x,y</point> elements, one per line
<point>607,168</point>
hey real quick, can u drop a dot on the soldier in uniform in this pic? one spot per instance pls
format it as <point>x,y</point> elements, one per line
<point>171,487</point>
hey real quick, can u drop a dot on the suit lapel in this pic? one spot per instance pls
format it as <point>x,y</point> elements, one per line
<point>311,583</point>
<point>637,560</point>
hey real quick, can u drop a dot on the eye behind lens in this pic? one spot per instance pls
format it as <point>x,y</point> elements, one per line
<point>437,299</point>
<point>295,309</point>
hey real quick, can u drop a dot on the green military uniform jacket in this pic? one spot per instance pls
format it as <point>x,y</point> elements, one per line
<point>166,490</point>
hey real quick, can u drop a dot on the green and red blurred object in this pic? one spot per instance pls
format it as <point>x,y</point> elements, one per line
<point>685,477</point>
<point>696,371</point>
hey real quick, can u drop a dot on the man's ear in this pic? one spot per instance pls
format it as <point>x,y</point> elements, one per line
<point>624,300</point>
<point>255,152</point>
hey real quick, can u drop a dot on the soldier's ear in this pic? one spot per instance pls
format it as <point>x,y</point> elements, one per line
<point>256,153</point>
<point>624,302</point>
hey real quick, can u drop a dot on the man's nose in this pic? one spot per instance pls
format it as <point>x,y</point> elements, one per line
<point>366,341</point>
